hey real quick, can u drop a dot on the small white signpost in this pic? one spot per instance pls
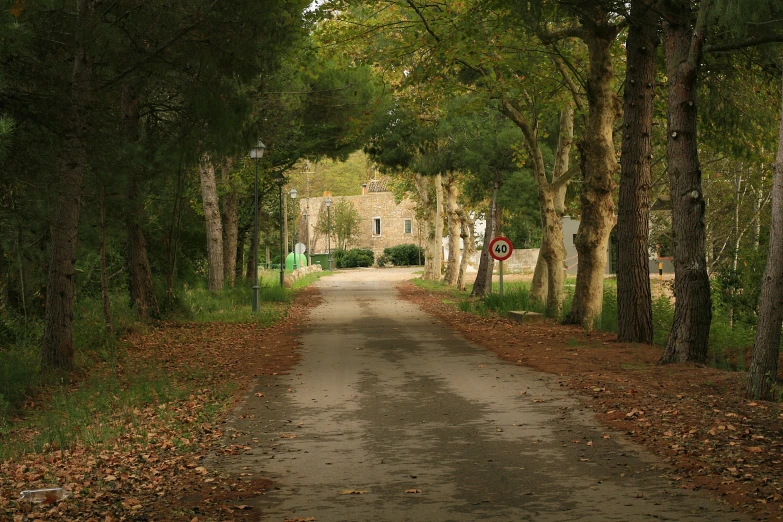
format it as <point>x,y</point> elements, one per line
<point>501,249</point>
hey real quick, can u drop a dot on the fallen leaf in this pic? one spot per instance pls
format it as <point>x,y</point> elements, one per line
<point>412,491</point>
<point>353,492</point>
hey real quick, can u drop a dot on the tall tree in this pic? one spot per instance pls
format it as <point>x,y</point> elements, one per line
<point>763,371</point>
<point>451,189</point>
<point>213,224</point>
<point>57,349</point>
<point>140,283</point>
<point>684,35</point>
<point>229,218</point>
<point>597,27</point>
<point>634,301</point>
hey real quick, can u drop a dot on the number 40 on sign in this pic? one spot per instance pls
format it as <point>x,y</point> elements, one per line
<point>500,248</point>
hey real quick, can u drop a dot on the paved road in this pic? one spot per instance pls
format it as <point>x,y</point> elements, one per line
<point>386,400</point>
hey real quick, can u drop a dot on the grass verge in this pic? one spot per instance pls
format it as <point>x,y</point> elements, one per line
<point>730,342</point>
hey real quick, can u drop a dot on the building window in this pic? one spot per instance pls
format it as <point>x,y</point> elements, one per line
<point>376,226</point>
<point>408,226</point>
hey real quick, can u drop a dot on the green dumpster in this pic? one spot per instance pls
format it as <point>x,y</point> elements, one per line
<point>320,259</point>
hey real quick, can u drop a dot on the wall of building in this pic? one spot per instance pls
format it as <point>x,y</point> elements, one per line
<point>370,206</point>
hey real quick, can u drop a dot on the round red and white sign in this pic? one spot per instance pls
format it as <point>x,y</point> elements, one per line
<point>501,248</point>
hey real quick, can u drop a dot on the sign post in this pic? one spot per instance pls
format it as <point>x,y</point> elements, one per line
<point>501,249</point>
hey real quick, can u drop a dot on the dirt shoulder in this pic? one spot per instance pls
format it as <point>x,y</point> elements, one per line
<point>154,469</point>
<point>695,418</point>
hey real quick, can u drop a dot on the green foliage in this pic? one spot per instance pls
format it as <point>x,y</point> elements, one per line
<point>6,130</point>
<point>518,198</point>
<point>344,222</point>
<point>737,292</point>
<point>18,364</point>
<point>356,257</point>
<point>403,255</point>
<point>663,316</point>
<point>232,305</point>
<point>341,178</point>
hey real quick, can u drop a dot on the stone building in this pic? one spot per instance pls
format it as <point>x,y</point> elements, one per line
<point>383,222</point>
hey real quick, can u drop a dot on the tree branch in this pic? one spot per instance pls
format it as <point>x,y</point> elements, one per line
<point>565,178</point>
<point>696,51</point>
<point>569,32</point>
<point>423,20</point>
<point>561,66</point>
<point>743,44</point>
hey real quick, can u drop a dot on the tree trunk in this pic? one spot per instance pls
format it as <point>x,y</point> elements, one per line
<point>213,224</point>
<point>57,350</point>
<point>437,230</point>
<point>540,282</point>
<point>4,279</point>
<point>548,282</point>
<point>23,275</point>
<point>423,184</point>
<point>104,270</point>
<point>142,288</point>
<point>634,301</point>
<point>599,165</point>
<point>239,254</point>
<point>230,220</point>
<point>693,307</point>
<point>172,240</point>
<point>248,232</point>
<point>452,211</point>
<point>468,246</point>
<point>763,372</point>
<point>552,205</point>
<point>757,203</point>
<point>483,284</point>
<point>267,252</point>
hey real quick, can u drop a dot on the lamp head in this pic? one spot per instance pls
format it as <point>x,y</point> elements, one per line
<point>328,202</point>
<point>257,152</point>
<point>293,193</point>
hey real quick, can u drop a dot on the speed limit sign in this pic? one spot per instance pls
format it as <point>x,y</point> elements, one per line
<point>501,248</point>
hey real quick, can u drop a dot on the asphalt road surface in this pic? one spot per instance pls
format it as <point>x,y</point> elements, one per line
<point>390,416</point>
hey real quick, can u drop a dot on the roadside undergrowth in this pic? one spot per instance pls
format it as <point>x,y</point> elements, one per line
<point>730,342</point>
<point>125,434</point>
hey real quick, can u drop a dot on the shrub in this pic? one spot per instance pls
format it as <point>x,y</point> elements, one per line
<point>338,255</point>
<point>404,255</point>
<point>353,258</point>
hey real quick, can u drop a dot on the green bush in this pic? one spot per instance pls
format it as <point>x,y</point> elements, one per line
<point>353,258</point>
<point>404,255</point>
<point>338,255</point>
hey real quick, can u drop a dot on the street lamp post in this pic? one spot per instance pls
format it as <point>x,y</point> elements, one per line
<point>328,203</point>
<point>293,202</point>
<point>282,238</point>
<point>256,153</point>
